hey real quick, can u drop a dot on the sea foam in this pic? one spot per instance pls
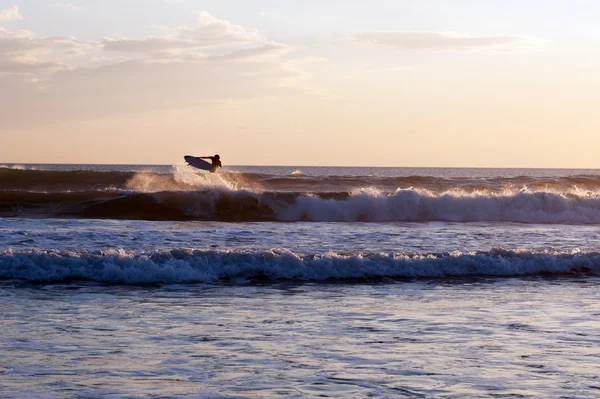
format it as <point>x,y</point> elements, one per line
<point>366,205</point>
<point>420,205</point>
<point>212,266</point>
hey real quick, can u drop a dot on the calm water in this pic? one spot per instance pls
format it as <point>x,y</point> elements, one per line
<point>160,281</point>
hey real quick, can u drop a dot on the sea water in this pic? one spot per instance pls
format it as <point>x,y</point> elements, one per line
<point>161,281</point>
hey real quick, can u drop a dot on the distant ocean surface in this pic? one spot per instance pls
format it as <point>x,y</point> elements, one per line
<point>301,282</point>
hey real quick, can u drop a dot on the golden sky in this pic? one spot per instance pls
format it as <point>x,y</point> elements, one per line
<point>403,83</point>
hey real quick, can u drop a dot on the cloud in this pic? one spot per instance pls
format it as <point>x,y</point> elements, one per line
<point>212,26</point>
<point>21,53</point>
<point>68,6</point>
<point>210,32</point>
<point>132,87</point>
<point>10,14</point>
<point>56,79</point>
<point>446,41</point>
<point>251,53</point>
<point>147,45</point>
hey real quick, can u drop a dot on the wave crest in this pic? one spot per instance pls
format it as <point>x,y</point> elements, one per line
<point>190,266</point>
<point>185,178</point>
<point>367,205</point>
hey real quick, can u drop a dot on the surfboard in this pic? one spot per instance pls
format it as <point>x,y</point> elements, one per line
<point>199,163</point>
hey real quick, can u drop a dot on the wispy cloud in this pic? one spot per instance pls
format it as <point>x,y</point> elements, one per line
<point>214,60</point>
<point>10,14</point>
<point>252,53</point>
<point>21,53</point>
<point>68,6</point>
<point>447,41</point>
<point>209,32</point>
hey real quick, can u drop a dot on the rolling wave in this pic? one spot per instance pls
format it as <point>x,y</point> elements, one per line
<point>191,266</point>
<point>187,179</point>
<point>186,194</point>
<point>49,181</point>
<point>367,205</point>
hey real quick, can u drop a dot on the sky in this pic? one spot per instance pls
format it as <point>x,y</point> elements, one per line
<point>415,83</point>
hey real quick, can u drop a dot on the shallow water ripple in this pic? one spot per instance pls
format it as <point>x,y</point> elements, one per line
<point>432,339</point>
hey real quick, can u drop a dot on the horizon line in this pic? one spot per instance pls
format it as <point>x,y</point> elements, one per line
<point>307,166</point>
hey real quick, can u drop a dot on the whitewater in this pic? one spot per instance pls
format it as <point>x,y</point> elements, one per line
<point>347,195</point>
<point>162,281</point>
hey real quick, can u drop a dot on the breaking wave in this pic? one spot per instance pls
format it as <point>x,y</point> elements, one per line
<point>185,194</point>
<point>191,266</point>
<point>185,178</point>
<point>50,181</point>
<point>367,205</point>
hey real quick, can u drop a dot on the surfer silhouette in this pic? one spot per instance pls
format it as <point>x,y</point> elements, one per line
<point>215,161</point>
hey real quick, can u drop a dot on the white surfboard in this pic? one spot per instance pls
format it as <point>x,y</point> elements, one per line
<point>199,163</point>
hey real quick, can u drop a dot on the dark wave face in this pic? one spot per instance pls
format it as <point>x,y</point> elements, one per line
<point>188,180</point>
<point>81,180</point>
<point>232,196</point>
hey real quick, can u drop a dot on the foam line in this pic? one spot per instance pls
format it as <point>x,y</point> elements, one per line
<point>188,266</point>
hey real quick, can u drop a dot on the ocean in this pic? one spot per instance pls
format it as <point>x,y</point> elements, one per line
<point>141,281</point>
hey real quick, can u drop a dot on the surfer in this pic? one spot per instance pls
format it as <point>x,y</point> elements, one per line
<point>215,161</point>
